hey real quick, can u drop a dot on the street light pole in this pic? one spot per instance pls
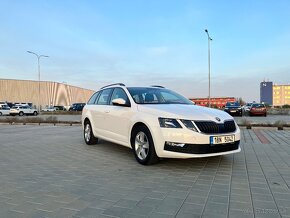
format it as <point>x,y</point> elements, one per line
<point>38,63</point>
<point>208,39</point>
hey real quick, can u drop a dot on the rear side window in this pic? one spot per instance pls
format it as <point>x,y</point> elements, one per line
<point>104,97</point>
<point>93,98</point>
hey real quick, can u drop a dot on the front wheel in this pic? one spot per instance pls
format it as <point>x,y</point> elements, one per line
<point>143,146</point>
<point>89,137</point>
<point>21,113</point>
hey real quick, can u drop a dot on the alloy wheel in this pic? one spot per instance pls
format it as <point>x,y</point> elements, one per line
<point>141,145</point>
<point>87,132</point>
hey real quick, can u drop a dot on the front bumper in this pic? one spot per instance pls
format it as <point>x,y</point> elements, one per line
<point>203,148</point>
<point>234,111</point>
<point>195,144</point>
<point>14,112</point>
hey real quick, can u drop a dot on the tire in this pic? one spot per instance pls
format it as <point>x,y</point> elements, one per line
<point>35,113</point>
<point>89,137</point>
<point>0,113</point>
<point>21,113</point>
<point>143,146</point>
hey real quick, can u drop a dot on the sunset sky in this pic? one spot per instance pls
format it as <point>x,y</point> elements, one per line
<point>149,42</point>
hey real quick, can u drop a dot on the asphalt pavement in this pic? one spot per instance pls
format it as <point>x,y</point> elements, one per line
<point>270,119</point>
<point>48,171</point>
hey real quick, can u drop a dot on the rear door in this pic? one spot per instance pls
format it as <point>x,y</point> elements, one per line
<point>98,112</point>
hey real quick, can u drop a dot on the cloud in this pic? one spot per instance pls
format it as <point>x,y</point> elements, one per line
<point>156,51</point>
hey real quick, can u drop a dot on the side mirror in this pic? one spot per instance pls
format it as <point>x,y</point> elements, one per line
<point>120,102</point>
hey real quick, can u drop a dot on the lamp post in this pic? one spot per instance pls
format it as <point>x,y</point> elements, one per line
<point>38,57</point>
<point>208,39</point>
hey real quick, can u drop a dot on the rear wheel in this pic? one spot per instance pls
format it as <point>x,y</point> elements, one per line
<point>21,113</point>
<point>0,113</point>
<point>143,146</point>
<point>89,137</point>
<point>35,113</point>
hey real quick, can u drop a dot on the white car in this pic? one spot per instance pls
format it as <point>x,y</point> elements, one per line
<point>158,123</point>
<point>49,109</point>
<point>22,110</point>
<point>247,107</point>
<point>4,111</point>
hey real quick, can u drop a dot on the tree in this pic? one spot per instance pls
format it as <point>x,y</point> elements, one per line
<point>241,101</point>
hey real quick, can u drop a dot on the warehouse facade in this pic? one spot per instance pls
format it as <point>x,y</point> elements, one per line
<point>44,92</point>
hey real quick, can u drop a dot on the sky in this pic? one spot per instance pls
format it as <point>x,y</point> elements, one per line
<point>149,42</point>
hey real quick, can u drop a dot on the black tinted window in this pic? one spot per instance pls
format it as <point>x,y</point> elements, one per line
<point>258,105</point>
<point>93,98</point>
<point>233,104</point>
<point>104,97</point>
<point>156,96</point>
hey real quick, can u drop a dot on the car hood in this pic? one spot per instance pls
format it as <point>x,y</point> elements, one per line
<point>233,107</point>
<point>183,111</point>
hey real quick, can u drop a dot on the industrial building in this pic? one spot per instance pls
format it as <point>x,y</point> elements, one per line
<point>45,93</point>
<point>266,93</point>
<point>219,102</point>
<point>274,94</point>
<point>281,95</point>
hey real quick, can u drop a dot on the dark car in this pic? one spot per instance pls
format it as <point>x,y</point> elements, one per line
<point>234,108</point>
<point>59,108</point>
<point>77,107</point>
<point>258,109</point>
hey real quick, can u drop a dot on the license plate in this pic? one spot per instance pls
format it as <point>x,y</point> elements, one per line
<point>233,111</point>
<point>214,140</point>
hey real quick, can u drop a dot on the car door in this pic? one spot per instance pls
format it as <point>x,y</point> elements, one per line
<point>118,117</point>
<point>98,112</point>
<point>26,110</point>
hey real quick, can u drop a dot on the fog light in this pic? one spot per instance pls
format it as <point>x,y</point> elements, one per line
<point>174,144</point>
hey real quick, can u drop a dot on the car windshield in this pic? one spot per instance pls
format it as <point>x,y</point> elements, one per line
<point>232,104</point>
<point>156,96</point>
<point>258,105</point>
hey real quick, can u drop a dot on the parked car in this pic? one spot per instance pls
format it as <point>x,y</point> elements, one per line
<point>77,107</point>
<point>60,108</point>
<point>22,110</point>
<point>23,104</point>
<point>233,108</point>
<point>246,107</point>
<point>48,109</point>
<point>258,109</point>
<point>158,123</point>
<point>4,110</point>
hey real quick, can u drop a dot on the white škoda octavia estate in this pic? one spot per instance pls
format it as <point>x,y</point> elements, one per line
<point>158,123</point>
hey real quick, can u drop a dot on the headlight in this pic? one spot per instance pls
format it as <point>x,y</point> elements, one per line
<point>168,123</point>
<point>189,124</point>
<point>226,108</point>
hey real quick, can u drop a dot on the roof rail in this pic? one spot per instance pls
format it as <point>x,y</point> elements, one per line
<point>157,86</point>
<point>120,84</point>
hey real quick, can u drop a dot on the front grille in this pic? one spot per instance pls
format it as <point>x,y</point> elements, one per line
<point>210,127</point>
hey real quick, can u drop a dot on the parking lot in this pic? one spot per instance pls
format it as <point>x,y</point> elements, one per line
<point>270,119</point>
<point>48,171</point>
